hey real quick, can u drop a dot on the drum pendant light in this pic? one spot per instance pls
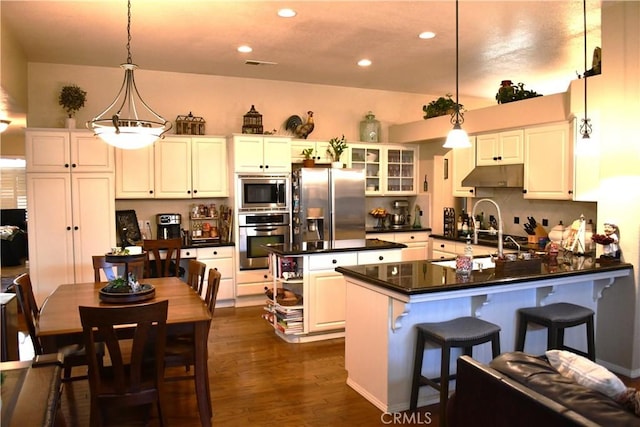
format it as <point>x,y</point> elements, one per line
<point>585,127</point>
<point>457,137</point>
<point>128,122</point>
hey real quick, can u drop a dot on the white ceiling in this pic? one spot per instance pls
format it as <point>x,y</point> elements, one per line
<point>540,43</point>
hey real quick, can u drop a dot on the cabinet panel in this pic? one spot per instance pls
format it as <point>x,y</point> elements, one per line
<point>464,160</point>
<point>261,154</point>
<point>172,163</point>
<point>319,154</point>
<point>327,294</point>
<point>209,167</point>
<point>93,201</point>
<point>500,148</point>
<point>376,257</point>
<point>548,171</point>
<point>90,153</point>
<point>332,260</point>
<point>135,173</point>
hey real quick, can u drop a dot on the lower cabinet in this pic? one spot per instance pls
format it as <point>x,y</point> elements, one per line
<point>417,243</point>
<point>326,310</point>
<point>220,258</point>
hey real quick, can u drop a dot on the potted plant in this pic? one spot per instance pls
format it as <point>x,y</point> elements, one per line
<point>509,92</point>
<point>308,161</point>
<point>442,106</point>
<point>72,99</point>
<point>335,150</point>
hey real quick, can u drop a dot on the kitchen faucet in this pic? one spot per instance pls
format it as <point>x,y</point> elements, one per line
<point>514,242</point>
<point>476,225</point>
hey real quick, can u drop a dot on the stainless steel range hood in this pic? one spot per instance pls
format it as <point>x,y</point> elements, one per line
<point>495,176</point>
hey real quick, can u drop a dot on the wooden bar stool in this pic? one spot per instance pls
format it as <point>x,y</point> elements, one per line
<point>462,332</point>
<point>556,318</point>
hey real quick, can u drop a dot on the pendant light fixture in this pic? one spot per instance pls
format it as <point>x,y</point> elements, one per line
<point>457,137</point>
<point>585,127</point>
<point>128,122</point>
<point>4,124</point>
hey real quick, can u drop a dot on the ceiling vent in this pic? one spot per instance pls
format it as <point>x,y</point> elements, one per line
<point>256,62</point>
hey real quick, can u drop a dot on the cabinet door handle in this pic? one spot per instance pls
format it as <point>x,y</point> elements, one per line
<point>442,245</point>
<point>380,258</point>
<point>215,252</point>
<point>187,253</point>
<point>266,166</point>
<point>75,228</point>
<point>73,165</point>
<point>150,191</point>
<point>195,191</point>
<point>495,158</point>
<point>265,276</point>
<point>66,165</point>
<point>334,261</point>
<point>524,191</point>
<point>470,191</point>
<point>412,237</point>
<point>69,228</point>
<point>261,167</point>
<point>188,191</point>
<point>570,191</point>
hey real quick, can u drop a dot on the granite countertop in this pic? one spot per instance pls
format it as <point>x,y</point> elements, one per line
<point>408,229</point>
<point>287,249</point>
<point>419,277</point>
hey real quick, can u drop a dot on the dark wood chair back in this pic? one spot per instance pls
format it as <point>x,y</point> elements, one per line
<point>110,269</point>
<point>162,267</point>
<point>195,275</point>
<point>213,285</point>
<point>138,381</point>
<point>29,307</point>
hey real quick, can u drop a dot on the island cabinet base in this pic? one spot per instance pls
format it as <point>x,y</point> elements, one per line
<point>380,329</point>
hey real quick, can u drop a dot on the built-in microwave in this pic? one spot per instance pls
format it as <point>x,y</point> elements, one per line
<point>263,192</point>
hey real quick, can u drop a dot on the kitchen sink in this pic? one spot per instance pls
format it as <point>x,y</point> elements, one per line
<point>485,262</point>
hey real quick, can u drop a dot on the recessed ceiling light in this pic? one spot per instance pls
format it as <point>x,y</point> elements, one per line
<point>427,35</point>
<point>364,62</point>
<point>287,13</point>
<point>245,49</point>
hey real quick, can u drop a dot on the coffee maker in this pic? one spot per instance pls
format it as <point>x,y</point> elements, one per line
<point>169,225</point>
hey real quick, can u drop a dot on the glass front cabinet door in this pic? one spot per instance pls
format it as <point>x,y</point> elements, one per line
<point>401,170</point>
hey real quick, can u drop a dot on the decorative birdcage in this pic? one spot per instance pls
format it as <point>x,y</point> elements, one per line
<point>190,125</point>
<point>252,122</point>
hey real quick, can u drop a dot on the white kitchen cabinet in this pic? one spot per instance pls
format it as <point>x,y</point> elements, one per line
<point>319,148</point>
<point>209,177</point>
<point>464,160</point>
<point>417,243</point>
<point>401,170</point>
<point>368,158</point>
<point>327,305</point>
<point>62,150</point>
<point>135,173</point>
<point>252,282</point>
<point>71,218</point>
<point>261,154</point>
<point>175,167</point>
<point>441,249</point>
<point>172,167</point>
<point>505,148</point>
<point>220,258</point>
<point>548,170</point>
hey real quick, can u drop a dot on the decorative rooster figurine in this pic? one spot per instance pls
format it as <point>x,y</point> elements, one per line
<point>301,130</point>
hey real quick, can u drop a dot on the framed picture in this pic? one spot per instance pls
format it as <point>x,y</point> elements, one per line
<point>127,230</point>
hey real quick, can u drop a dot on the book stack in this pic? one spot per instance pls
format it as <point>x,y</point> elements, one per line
<point>288,320</point>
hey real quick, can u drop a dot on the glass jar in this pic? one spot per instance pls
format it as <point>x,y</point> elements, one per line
<point>370,128</point>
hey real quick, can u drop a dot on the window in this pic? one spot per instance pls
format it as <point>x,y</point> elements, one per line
<point>13,184</point>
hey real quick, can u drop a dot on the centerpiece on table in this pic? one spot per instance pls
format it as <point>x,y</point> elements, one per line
<point>127,288</point>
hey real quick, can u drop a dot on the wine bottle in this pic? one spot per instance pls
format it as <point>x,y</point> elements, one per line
<point>425,185</point>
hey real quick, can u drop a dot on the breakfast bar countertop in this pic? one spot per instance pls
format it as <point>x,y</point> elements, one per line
<point>421,277</point>
<point>309,248</point>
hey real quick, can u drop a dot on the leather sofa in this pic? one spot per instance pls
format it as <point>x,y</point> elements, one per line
<point>524,390</point>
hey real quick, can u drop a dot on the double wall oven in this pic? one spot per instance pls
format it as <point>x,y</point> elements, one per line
<point>263,217</point>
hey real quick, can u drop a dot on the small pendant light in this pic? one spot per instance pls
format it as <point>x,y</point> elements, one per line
<point>133,124</point>
<point>457,137</point>
<point>585,127</point>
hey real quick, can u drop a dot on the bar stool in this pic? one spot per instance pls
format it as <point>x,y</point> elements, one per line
<point>462,332</point>
<point>556,318</point>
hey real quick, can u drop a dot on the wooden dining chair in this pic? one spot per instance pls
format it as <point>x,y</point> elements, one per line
<point>213,285</point>
<point>195,275</point>
<point>74,355</point>
<point>158,266</point>
<point>110,269</point>
<point>125,383</point>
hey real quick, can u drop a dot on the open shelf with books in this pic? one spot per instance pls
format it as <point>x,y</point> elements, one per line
<point>284,306</point>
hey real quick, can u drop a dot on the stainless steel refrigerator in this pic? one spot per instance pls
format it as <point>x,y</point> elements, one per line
<point>328,205</point>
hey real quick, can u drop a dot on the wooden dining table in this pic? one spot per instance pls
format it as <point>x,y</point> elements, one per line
<point>59,323</point>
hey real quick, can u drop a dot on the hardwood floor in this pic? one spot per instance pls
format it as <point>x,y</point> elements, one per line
<point>259,380</point>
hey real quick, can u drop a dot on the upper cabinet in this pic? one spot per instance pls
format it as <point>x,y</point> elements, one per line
<point>505,148</point>
<point>261,154</point>
<point>64,150</point>
<point>390,169</point>
<point>548,170</point>
<point>464,160</point>
<point>175,167</point>
<point>319,148</point>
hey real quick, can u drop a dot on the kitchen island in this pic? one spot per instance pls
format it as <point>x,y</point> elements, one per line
<point>385,301</point>
<point>307,299</point>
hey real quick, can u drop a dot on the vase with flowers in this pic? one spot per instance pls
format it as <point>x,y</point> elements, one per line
<point>336,147</point>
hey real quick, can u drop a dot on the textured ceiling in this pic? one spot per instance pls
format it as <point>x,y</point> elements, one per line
<point>540,43</point>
